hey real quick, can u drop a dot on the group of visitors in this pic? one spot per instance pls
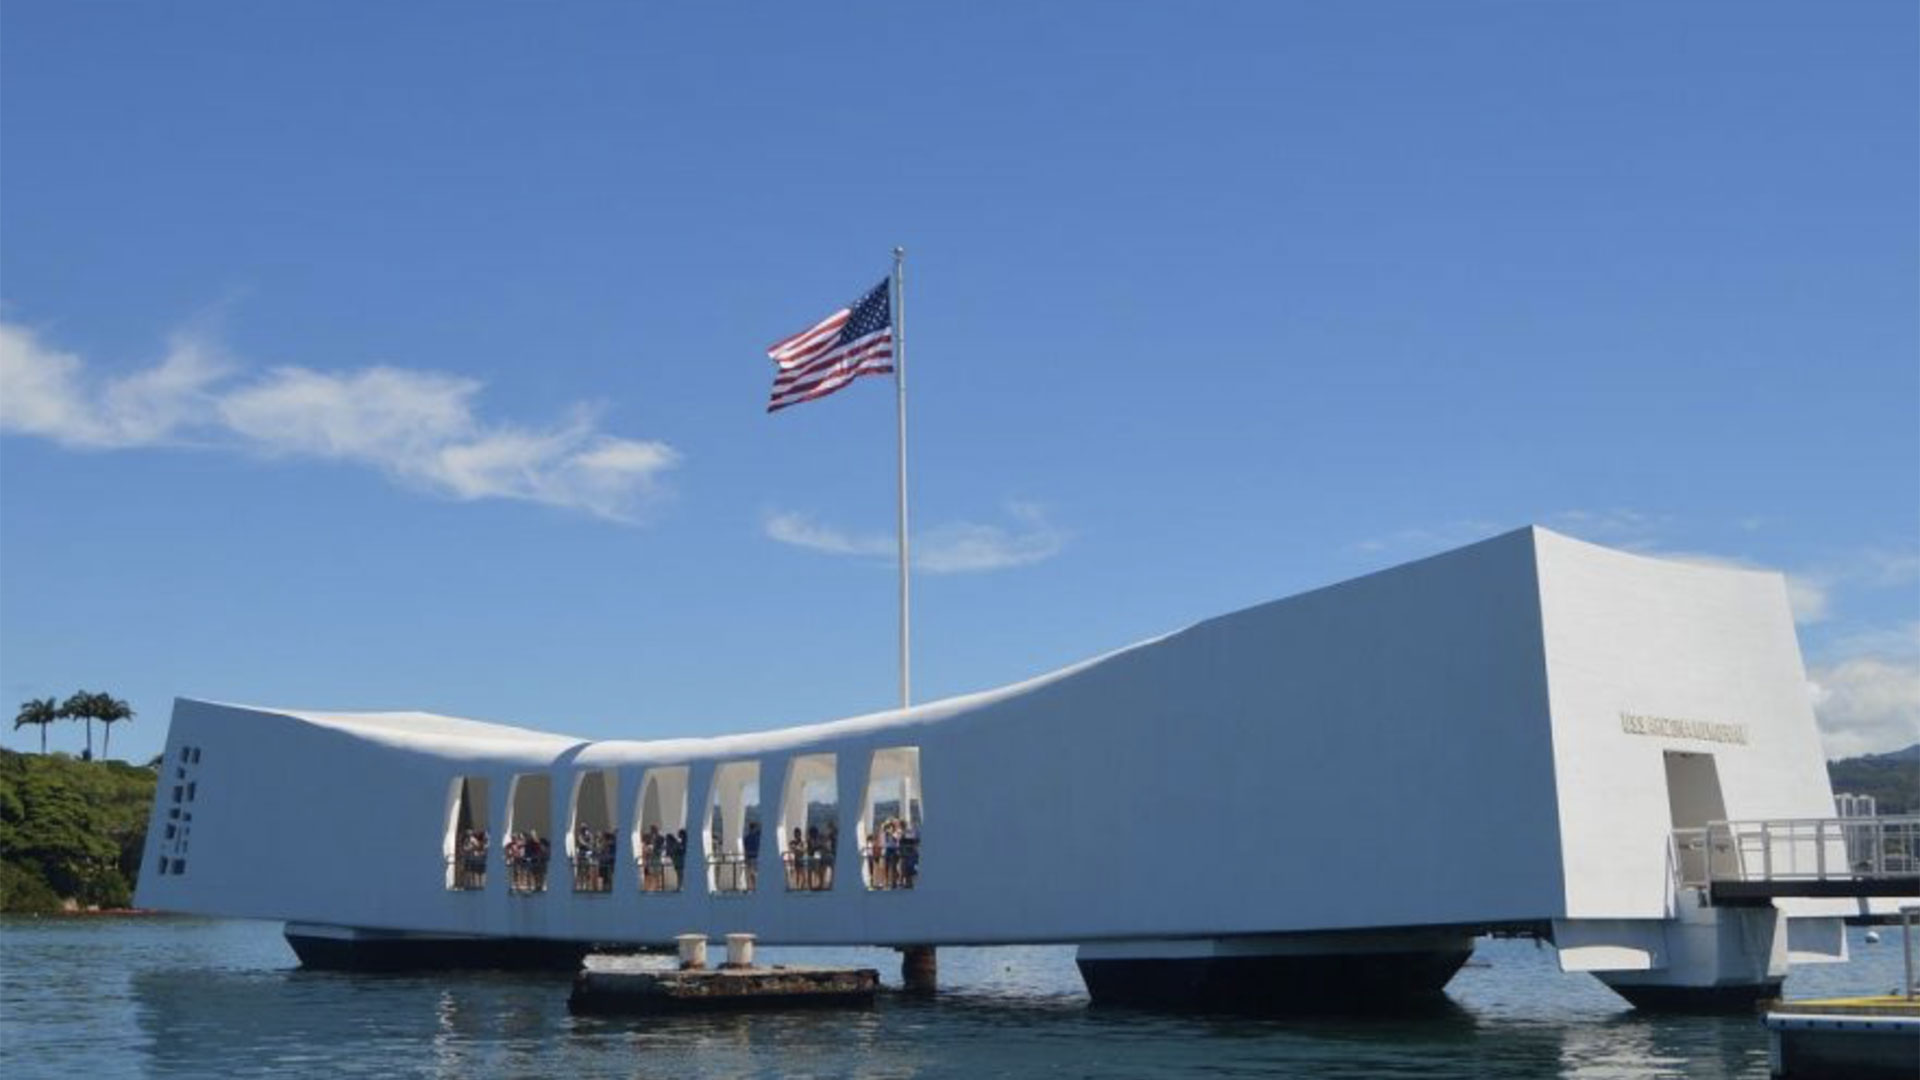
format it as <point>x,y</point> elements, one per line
<point>592,859</point>
<point>527,856</point>
<point>893,855</point>
<point>470,860</point>
<point>809,857</point>
<point>663,858</point>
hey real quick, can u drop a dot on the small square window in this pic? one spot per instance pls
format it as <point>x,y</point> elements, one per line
<point>192,786</point>
<point>196,755</point>
<point>185,751</point>
<point>171,829</point>
<point>177,792</point>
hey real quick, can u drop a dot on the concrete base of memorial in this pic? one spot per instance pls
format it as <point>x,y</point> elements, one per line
<point>345,948</point>
<point>1359,972</point>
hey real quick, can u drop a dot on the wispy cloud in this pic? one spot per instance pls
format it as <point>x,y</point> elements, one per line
<point>1870,703</point>
<point>46,392</point>
<point>1430,537</point>
<point>1808,594</point>
<point>1865,693</point>
<point>801,531</point>
<point>1811,588</point>
<point>420,428</point>
<point>1620,526</point>
<point>957,548</point>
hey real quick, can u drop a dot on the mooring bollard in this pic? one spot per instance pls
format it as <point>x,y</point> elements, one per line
<point>693,951</point>
<point>739,951</point>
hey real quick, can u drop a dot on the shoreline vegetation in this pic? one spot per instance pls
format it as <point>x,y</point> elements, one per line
<point>72,831</point>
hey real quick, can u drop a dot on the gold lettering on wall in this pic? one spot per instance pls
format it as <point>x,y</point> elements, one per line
<point>1676,728</point>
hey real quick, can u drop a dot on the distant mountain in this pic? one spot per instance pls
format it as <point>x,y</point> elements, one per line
<point>1893,779</point>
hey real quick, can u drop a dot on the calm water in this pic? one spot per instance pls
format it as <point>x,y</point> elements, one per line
<point>180,997</point>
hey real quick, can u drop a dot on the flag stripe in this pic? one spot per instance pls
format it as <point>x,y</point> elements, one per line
<point>826,389</point>
<point>837,374</point>
<point>881,344</point>
<point>832,382</point>
<point>853,341</point>
<point>803,383</point>
<point>834,320</point>
<point>809,339</point>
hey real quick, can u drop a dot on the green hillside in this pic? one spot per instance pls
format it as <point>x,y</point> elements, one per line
<point>70,831</point>
<point>1892,779</point>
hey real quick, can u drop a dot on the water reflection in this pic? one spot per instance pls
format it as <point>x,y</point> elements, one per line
<point>1639,1046</point>
<point>219,999</point>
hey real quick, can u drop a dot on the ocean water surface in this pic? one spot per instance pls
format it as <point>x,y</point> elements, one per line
<point>156,996</point>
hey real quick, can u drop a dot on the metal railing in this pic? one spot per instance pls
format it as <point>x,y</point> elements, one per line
<point>808,871</point>
<point>893,868</point>
<point>1908,916</point>
<point>593,873</point>
<point>662,873</point>
<point>466,873</point>
<point>1798,850</point>
<point>527,874</point>
<point>733,873</point>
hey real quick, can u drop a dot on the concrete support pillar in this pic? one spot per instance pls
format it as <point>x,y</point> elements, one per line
<point>919,969</point>
<point>1710,959</point>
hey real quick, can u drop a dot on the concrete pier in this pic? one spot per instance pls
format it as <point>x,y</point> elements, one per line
<point>1845,1038</point>
<point>636,985</point>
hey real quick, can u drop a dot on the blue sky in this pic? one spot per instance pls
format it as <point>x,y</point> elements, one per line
<point>411,356</point>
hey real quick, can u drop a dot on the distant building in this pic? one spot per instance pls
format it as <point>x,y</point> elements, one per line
<point>1859,838</point>
<point>1855,806</point>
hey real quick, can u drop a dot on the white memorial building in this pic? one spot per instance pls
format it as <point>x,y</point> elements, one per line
<point>1326,795</point>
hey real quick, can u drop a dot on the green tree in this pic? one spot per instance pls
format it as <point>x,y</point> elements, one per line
<point>70,830</point>
<point>79,706</point>
<point>109,710</point>
<point>40,712</point>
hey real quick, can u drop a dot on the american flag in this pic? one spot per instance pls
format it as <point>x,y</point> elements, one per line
<point>847,344</point>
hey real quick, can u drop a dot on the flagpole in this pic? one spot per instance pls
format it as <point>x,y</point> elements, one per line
<point>900,395</point>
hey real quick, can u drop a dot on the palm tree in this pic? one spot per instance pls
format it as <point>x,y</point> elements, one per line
<point>109,710</point>
<point>41,711</point>
<point>79,706</point>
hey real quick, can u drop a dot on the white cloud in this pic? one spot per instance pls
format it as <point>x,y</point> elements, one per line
<point>958,548</point>
<point>46,392</point>
<point>1620,526</point>
<point>803,532</point>
<point>1808,594</point>
<point>967,548</point>
<point>1808,597</point>
<point>418,427</point>
<point>1890,569</point>
<point>1867,704</point>
<point>1446,535</point>
<point>379,416</point>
